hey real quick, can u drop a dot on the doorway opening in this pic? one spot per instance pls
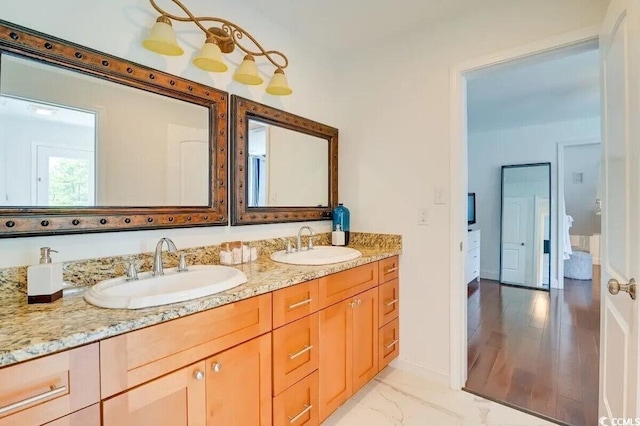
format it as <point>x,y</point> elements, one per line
<point>519,341</point>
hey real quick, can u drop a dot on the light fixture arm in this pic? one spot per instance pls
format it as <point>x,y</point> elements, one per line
<point>233,32</point>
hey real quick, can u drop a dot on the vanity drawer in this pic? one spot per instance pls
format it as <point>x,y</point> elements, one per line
<point>89,416</point>
<point>389,341</point>
<point>137,357</point>
<point>338,287</point>
<point>299,404</point>
<point>388,301</point>
<point>295,352</point>
<point>388,269</point>
<point>295,302</point>
<point>56,385</point>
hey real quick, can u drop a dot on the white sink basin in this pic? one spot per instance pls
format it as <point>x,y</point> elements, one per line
<point>172,287</point>
<point>321,255</point>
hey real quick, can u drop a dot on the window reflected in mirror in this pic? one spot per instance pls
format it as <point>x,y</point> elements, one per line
<point>68,139</point>
<point>286,168</point>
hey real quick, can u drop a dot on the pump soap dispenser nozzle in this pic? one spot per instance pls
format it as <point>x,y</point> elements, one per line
<point>45,254</point>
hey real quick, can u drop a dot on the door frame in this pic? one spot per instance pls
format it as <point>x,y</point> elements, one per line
<point>458,175</point>
<point>559,212</point>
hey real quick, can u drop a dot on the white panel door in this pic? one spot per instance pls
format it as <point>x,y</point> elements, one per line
<point>620,56</point>
<point>514,239</point>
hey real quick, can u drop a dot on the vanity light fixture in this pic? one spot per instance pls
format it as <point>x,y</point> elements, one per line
<point>218,41</point>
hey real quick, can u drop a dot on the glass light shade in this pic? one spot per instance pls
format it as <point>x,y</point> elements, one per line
<point>278,85</point>
<point>162,39</point>
<point>210,58</point>
<point>247,72</point>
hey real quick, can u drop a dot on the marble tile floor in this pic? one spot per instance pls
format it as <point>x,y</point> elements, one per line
<point>399,398</point>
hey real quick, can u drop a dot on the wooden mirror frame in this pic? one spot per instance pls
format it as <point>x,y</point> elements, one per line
<point>242,110</point>
<point>30,221</point>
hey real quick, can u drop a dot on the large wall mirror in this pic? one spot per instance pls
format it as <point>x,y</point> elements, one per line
<point>285,167</point>
<point>90,142</point>
<point>525,246</point>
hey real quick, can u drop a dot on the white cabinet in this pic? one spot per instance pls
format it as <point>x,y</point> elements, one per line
<point>473,256</point>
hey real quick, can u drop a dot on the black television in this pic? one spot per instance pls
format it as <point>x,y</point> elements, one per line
<point>471,208</point>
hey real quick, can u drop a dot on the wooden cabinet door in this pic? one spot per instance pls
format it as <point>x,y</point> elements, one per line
<point>365,338</point>
<point>239,385</point>
<point>177,399</point>
<point>335,356</point>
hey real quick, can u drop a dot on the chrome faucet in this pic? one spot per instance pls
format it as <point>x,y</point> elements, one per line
<point>158,268</point>
<point>311,235</point>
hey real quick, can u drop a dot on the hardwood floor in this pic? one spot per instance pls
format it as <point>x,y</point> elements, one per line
<point>536,349</point>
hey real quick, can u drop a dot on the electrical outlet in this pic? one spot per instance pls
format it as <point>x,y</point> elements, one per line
<point>423,217</point>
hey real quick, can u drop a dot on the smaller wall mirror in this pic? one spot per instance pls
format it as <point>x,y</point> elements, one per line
<point>525,247</point>
<point>285,167</point>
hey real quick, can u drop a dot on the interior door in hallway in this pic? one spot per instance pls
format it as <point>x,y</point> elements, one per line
<point>514,239</point>
<point>620,56</point>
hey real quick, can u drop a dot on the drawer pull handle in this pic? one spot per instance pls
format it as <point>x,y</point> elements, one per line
<point>16,405</point>
<point>297,305</point>
<point>302,351</point>
<point>391,302</point>
<point>392,344</point>
<point>390,270</point>
<point>304,411</point>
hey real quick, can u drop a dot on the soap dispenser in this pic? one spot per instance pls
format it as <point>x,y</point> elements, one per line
<point>44,281</point>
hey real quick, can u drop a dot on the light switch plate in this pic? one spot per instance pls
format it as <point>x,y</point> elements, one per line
<point>440,196</point>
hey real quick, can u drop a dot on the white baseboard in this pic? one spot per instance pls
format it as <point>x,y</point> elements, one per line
<point>489,275</point>
<point>419,370</point>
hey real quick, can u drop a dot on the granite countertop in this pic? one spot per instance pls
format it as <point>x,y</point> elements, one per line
<point>30,331</point>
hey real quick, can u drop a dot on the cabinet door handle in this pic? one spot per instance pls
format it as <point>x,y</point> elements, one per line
<point>303,350</point>
<point>392,344</point>
<point>391,302</point>
<point>37,398</point>
<point>390,270</point>
<point>216,367</point>
<point>352,304</point>
<point>198,374</point>
<point>297,305</point>
<point>304,411</point>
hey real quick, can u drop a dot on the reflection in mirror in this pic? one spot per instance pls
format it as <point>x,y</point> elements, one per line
<point>526,225</point>
<point>70,139</point>
<point>286,168</point>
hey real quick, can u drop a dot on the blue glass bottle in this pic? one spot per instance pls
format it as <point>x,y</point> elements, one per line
<point>341,217</point>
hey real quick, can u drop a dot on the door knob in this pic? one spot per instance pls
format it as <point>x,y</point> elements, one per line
<point>615,287</point>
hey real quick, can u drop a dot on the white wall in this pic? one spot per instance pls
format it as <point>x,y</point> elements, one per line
<point>488,151</point>
<point>580,197</point>
<point>118,27</point>
<point>394,147</point>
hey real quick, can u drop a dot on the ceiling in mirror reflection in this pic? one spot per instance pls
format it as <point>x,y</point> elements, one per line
<point>286,168</point>
<point>70,139</point>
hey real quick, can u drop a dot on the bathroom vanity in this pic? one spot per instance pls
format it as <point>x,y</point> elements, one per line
<point>288,347</point>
